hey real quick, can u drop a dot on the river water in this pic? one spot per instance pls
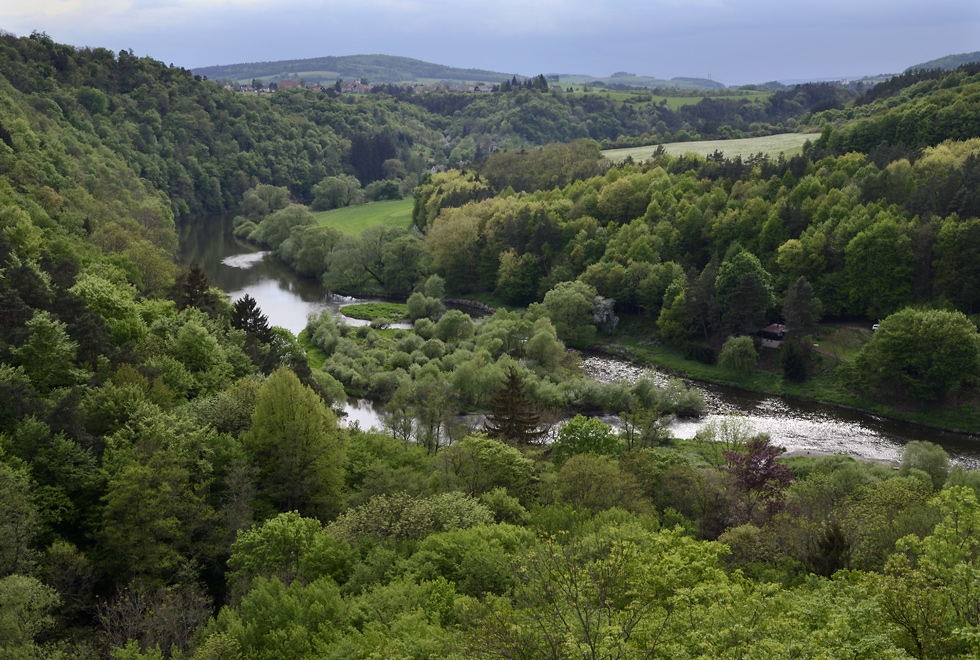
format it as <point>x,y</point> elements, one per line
<point>286,298</point>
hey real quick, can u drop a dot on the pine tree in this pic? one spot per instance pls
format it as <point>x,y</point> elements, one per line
<point>512,416</point>
<point>193,289</point>
<point>248,317</point>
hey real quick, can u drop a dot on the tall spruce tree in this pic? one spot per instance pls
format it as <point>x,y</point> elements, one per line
<point>513,418</point>
<point>248,317</point>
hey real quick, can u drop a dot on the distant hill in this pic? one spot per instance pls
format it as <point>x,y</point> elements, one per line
<point>948,62</point>
<point>376,68</point>
<point>633,80</point>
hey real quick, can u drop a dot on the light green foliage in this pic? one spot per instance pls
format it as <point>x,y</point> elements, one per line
<point>23,237</point>
<point>644,427</point>
<point>569,305</point>
<point>113,301</point>
<point>738,355</point>
<point>930,586</point>
<point>264,200</point>
<point>276,228</point>
<point>454,326</point>
<point>132,651</point>
<point>277,621</point>
<point>672,322</point>
<point>337,191</point>
<point>420,306</point>
<point>380,464</point>
<point>931,459</point>
<point>26,605</point>
<point>307,248</point>
<point>330,388</point>
<point>48,356</point>
<point>434,287</point>
<point>479,464</point>
<point>297,447</point>
<point>401,620</point>
<point>582,435</point>
<point>924,353</point>
<point>879,268</point>
<point>608,595</point>
<point>476,559</point>
<point>883,512</point>
<point>400,517</point>
<point>597,483</point>
<point>287,547</point>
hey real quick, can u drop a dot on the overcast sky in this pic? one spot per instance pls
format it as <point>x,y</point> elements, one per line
<point>731,41</point>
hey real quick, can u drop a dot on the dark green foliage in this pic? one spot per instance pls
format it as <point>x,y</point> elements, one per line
<point>794,357</point>
<point>248,317</point>
<point>832,552</point>
<point>922,353</point>
<point>513,418</point>
<point>801,309</point>
<point>194,290</point>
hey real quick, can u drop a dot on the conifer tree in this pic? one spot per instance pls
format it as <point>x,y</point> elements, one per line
<point>248,317</point>
<point>194,290</point>
<point>512,416</point>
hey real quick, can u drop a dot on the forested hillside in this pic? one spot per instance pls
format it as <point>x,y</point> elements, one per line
<point>376,68</point>
<point>173,478</point>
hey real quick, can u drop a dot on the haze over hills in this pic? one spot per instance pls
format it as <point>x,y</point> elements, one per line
<point>394,69</point>
<point>376,68</point>
<point>379,68</point>
<point>948,62</point>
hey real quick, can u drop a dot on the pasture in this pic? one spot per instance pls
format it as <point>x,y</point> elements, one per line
<point>355,219</point>
<point>788,144</point>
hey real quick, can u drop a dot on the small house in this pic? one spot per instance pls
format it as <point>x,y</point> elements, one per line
<point>773,336</point>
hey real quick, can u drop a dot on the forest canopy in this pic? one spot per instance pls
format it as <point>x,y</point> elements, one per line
<point>173,476</point>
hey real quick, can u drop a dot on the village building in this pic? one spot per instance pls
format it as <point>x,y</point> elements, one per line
<point>773,336</point>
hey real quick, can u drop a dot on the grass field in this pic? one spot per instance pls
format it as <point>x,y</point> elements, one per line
<point>394,312</point>
<point>788,144</point>
<point>355,219</point>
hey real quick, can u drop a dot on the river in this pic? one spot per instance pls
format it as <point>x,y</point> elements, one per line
<point>286,298</point>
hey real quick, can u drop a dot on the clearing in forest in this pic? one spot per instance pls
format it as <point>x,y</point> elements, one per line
<point>788,144</point>
<point>355,219</point>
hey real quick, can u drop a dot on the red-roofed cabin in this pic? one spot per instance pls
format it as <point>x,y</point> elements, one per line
<point>772,336</point>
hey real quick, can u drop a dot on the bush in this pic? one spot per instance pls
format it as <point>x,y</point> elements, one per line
<point>425,328</point>
<point>698,352</point>
<point>584,435</point>
<point>738,355</point>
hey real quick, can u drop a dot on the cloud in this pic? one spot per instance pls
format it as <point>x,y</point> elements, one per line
<point>743,40</point>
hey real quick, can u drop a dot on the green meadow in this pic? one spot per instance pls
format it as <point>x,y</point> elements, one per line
<point>355,219</point>
<point>788,144</point>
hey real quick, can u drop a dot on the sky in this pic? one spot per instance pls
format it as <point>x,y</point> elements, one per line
<point>731,41</point>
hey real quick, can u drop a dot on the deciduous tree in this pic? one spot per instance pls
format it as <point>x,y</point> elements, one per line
<point>298,448</point>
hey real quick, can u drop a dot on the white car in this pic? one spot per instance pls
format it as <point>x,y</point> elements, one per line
<point>874,327</point>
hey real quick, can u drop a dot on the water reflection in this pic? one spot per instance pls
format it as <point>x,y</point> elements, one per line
<point>798,425</point>
<point>239,268</point>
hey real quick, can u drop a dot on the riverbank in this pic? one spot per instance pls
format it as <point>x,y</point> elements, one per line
<point>823,387</point>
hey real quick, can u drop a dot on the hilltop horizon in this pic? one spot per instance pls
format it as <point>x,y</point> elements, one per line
<point>736,43</point>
